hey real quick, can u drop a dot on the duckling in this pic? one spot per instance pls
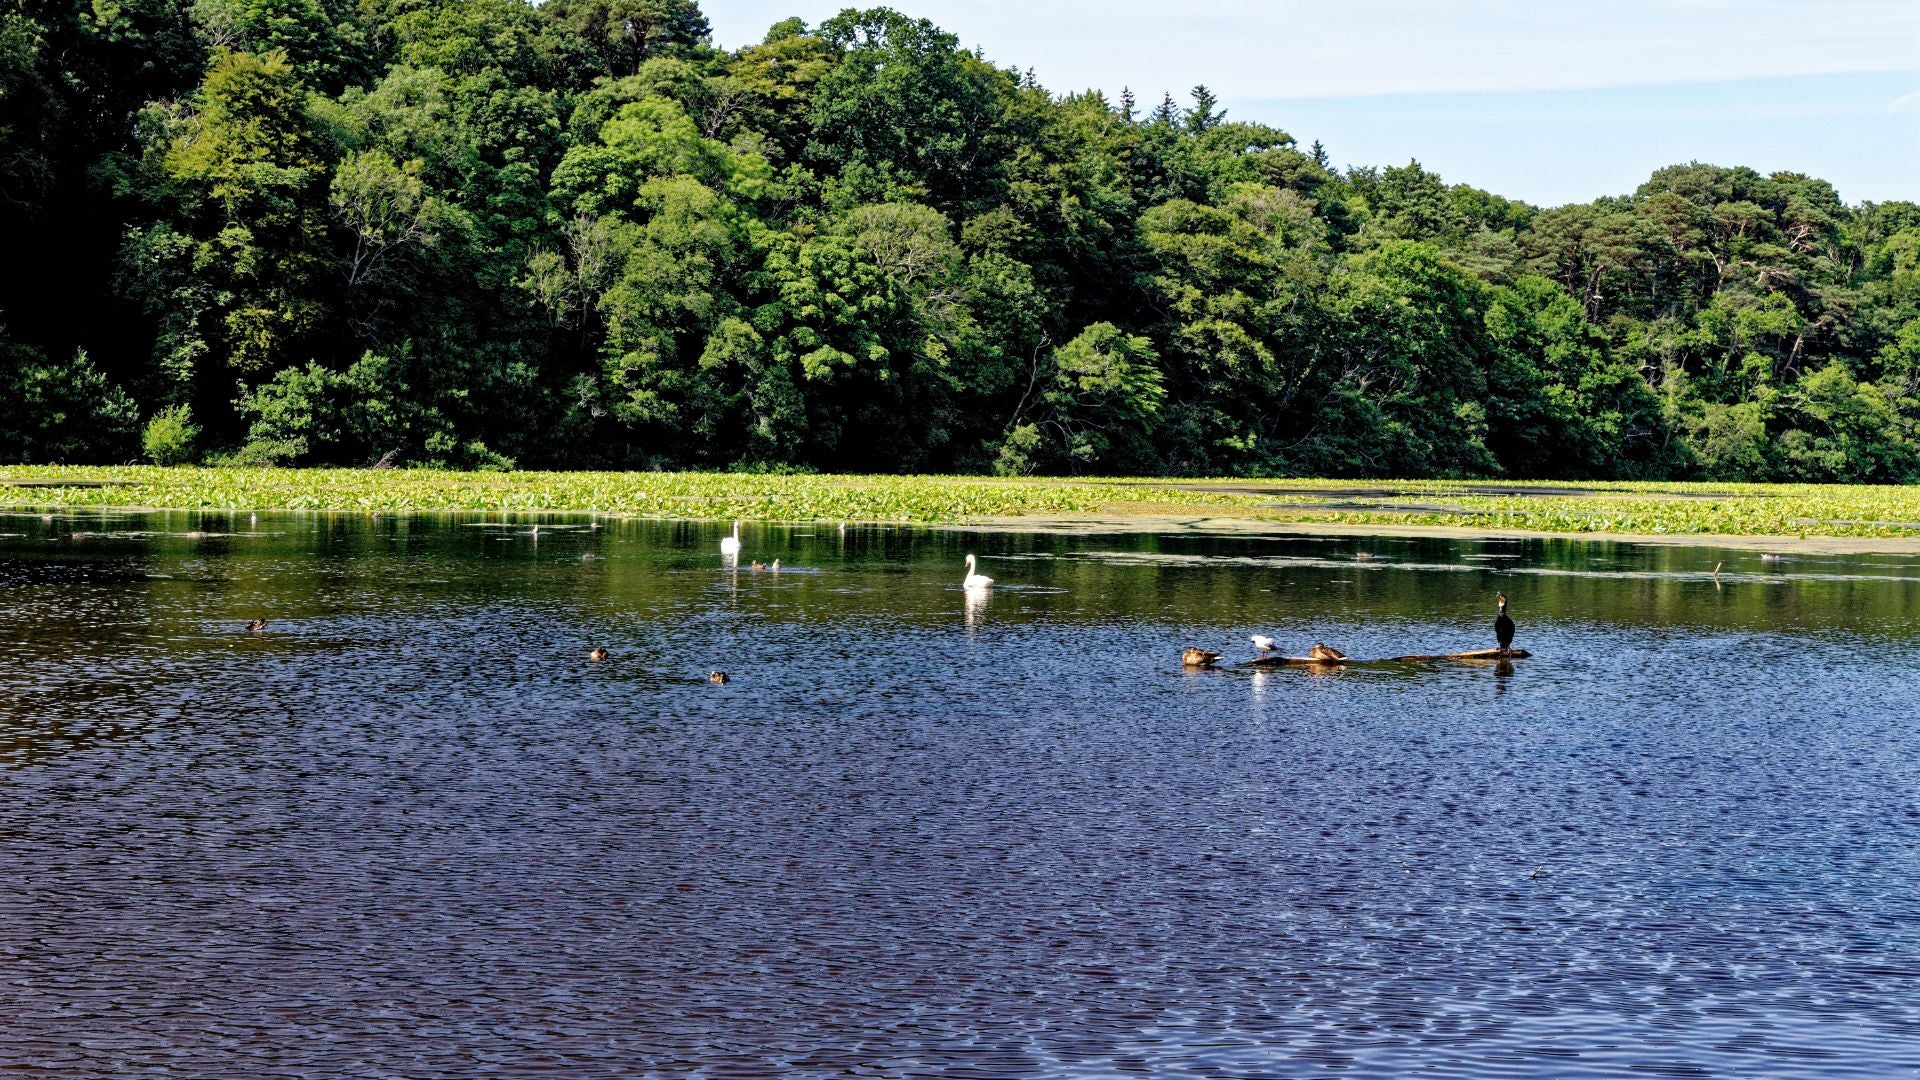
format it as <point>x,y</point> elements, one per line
<point>1769,557</point>
<point>1326,654</point>
<point>758,566</point>
<point>775,567</point>
<point>1363,556</point>
<point>597,654</point>
<point>254,626</point>
<point>716,677</point>
<point>1199,658</point>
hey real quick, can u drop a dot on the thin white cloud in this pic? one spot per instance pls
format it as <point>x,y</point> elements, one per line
<point>1905,103</point>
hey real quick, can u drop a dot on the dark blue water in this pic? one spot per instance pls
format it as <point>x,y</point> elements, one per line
<point>411,830</point>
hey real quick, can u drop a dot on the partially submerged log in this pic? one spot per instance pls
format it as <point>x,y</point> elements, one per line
<point>1477,656</point>
<point>1470,657</point>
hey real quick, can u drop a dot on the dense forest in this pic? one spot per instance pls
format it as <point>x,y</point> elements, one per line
<point>484,233</point>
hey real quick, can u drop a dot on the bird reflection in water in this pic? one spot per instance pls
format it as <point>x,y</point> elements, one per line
<point>976,604</point>
<point>1502,675</point>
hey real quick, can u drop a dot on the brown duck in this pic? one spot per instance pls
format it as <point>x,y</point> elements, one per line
<point>1199,658</point>
<point>1326,654</point>
<point>597,654</point>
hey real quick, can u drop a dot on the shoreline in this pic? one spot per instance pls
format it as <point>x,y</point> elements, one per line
<point>1108,524</point>
<point>1117,525</point>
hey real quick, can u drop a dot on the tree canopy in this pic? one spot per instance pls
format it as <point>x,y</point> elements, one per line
<point>486,233</point>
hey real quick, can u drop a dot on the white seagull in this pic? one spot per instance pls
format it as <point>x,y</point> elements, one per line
<point>1264,643</point>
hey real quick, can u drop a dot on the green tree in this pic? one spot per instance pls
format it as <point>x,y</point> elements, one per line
<point>1091,406</point>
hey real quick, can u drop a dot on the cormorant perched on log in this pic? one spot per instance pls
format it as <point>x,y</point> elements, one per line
<point>1503,626</point>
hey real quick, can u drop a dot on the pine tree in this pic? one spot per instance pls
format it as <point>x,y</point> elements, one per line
<point>1203,116</point>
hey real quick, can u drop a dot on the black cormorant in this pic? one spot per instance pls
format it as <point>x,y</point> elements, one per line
<point>1503,626</point>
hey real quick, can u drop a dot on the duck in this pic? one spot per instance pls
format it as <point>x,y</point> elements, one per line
<point>254,626</point>
<point>1199,658</point>
<point>1326,654</point>
<point>1503,626</point>
<point>1363,556</point>
<point>975,580</point>
<point>774,566</point>
<point>716,677</point>
<point>756,565</point>
<point>730,545</point>
<point>1264,643</point>
<point>597,654</point>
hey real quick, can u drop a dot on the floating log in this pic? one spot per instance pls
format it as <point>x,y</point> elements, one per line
<point>1470,657</point>
<point>1477,656</point>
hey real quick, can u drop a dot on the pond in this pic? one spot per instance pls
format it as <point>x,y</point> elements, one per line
<point>411,829</point>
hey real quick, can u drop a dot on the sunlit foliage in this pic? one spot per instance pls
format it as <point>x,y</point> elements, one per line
<point>494,234</point>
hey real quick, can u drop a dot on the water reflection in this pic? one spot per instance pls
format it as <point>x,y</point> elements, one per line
<point>411,829</point>
<point>976,604</point>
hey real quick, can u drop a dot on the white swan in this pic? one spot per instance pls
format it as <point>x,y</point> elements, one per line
<point>730,545</point>
<point>1264,643</point>
<point>973,580</point>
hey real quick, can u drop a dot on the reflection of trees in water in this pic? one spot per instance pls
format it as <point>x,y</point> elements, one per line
<point>182,583</point>
<point>36,727</point>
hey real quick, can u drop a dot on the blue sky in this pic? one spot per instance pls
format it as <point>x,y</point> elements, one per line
<point>1550,101</point>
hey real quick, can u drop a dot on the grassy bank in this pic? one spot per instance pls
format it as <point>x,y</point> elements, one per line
<point>1643,509</point>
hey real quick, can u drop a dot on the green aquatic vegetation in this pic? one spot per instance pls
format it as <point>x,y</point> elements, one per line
<point>1658,509</point>
<point>806,497</point>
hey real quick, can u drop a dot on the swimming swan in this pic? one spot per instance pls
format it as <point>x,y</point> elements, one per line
<point>730,545</point>
<point>973,580</point>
